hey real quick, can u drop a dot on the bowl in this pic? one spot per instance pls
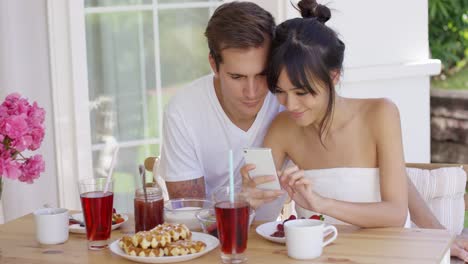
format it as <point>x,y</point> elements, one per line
<point>207,220</point>
<point>183,211</point>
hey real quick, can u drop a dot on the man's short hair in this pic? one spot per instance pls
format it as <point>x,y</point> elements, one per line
<point>240,25</point>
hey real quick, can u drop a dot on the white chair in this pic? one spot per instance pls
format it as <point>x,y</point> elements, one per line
<point>443,187</point>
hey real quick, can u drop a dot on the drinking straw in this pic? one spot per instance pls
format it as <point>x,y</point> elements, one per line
<point>111,169</point>
<point>231,177</point>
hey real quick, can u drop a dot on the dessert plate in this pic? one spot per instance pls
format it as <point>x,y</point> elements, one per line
<point>77,229</point>
<point>210,241</point>
<point>267,229</point>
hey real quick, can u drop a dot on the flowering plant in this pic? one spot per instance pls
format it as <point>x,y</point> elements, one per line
<point>21,129</point>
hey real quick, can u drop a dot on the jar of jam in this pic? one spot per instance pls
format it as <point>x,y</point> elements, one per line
<point>149,212</point>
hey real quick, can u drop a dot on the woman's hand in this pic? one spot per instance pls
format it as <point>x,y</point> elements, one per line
<point>459,248</point>
<point>257,197</point>
<point>300,189</point>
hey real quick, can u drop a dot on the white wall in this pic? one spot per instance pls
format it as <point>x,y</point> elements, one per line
<point>24,68</point>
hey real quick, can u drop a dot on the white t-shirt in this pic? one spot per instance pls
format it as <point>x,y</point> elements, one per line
<point>197,137</point>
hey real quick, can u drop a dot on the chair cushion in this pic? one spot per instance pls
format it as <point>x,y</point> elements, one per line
<point>443,190</point>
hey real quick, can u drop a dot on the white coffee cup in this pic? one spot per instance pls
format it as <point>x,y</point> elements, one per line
<point>304,238</point>
<point>51,225</point>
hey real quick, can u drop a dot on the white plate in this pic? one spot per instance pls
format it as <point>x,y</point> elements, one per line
<point>267,229</point>
<point>77,229</point>
<point>210,241</point>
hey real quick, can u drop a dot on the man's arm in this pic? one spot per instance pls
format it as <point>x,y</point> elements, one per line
<point>420,213</point>
<point>423,217</point>
<point>187,189</point>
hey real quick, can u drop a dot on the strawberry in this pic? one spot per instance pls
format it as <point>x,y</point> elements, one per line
<point>280,227</point>
<point>291,217</point>
<point>114,211</point>
<point>317,217</point>
<point>278,234</point>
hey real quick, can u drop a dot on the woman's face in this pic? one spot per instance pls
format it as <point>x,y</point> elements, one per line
<point>304,108</point>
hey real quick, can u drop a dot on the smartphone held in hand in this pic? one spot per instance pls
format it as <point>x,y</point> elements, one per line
<point>264,166</point>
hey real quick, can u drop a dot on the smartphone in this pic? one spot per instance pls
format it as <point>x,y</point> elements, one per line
<point>264,165</point>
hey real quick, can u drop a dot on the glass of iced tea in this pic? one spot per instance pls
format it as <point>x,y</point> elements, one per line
<point>97,211</point>
<point>232,218</point>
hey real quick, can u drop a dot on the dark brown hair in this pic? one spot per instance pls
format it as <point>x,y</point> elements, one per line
<point>238,25</point>
<point>309,51</point>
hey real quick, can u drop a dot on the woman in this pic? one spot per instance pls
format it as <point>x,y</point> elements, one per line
<point>348,152</point>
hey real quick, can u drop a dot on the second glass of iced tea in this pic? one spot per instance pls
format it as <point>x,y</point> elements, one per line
<point>232,218</point>
<point>97,211</point>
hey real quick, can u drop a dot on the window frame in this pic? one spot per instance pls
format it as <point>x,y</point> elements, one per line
<point>70,97</point>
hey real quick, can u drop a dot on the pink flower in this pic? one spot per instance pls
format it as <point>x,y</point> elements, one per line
<point>36,116</point>
<point>11,168</point>
<point>37,135</point>
<point>14,126</point>
<point>32,168</point>
<point>3,112</point>
<point>16,105</point>
<point>22,143</point>
<point>21,128</point>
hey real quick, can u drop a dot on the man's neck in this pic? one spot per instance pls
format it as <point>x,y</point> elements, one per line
<point>241,122</point>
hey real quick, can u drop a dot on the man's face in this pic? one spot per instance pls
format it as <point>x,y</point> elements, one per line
<point>242,82</point>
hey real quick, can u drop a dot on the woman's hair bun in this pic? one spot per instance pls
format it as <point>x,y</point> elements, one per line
<point>311,9</point>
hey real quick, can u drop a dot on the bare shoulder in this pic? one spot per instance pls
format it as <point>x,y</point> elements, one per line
<point>383,117</point>
<point>281,128</point>
<point>281,122</point>
<point>381,110</point>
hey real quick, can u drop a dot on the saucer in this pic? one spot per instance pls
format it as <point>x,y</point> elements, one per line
<point>267,229</point>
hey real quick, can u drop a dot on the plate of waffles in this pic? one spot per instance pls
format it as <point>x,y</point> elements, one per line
<point>167,243</point>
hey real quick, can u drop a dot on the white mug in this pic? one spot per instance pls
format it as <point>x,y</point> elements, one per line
<point>304,238</point>
<point>51,225</point>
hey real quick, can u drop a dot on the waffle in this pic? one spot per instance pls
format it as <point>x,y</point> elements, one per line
<point>163,240</point>
<point>151,239</point>
<point>176,231</point>
<point>127,245</point>
<point>184,247</point>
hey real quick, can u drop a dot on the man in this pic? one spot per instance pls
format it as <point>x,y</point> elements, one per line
<point>232,109</point>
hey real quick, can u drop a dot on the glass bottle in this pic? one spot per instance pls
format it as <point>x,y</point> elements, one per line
<point>150,212</point>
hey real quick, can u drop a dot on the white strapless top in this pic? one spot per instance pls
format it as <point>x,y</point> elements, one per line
<point>359,185</point>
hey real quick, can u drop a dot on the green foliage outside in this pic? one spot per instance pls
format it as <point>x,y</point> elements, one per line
<point>457,81</point>
<point>448,40</point>
<point>448,33</point>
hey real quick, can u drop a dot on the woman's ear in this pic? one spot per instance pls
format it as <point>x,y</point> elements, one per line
<point>335,74</point>
<point>213,65</point>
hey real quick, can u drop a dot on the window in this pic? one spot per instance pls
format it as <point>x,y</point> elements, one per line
<point>139,53</point>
